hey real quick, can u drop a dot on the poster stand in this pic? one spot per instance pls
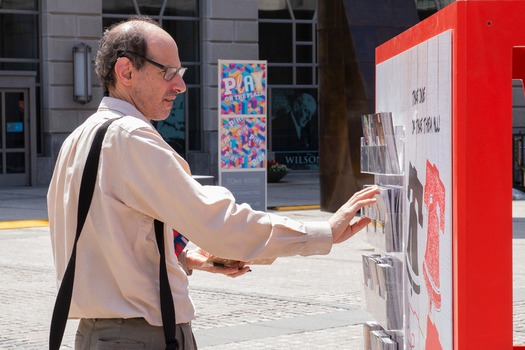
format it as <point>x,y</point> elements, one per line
<point>459,65</point>
<point>242,124</point>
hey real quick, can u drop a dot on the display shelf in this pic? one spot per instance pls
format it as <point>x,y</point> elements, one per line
<point>381,145</point>
<point>385,229</point>
<point>382,154</point>
<point>383,289</point>
<point>380,158</point>
<point>376,337</point>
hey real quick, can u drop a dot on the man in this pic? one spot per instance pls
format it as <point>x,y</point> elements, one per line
<point>141,178</point>
<point>292,130</point>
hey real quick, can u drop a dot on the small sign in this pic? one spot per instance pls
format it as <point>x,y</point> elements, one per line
<point>15,127</point>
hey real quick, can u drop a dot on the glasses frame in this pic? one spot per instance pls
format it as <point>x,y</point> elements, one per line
<point>166,69</point>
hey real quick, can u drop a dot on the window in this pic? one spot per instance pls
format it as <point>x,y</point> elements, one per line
<point>288,41</point>
<point>427,8</point>
<point>20,45</point>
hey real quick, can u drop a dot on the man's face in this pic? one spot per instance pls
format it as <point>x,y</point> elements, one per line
<point>304,109</point>
<point>151,93</point>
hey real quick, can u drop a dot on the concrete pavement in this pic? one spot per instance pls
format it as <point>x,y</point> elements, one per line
<point>296,303</point>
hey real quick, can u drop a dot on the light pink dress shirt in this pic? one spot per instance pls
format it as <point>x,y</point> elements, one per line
<point>140,177</point>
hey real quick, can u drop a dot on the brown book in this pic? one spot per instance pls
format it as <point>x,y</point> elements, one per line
<point>222,262</point>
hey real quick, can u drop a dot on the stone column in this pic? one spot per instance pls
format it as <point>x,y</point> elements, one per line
<point>229,31</point>
<point>64,27</point>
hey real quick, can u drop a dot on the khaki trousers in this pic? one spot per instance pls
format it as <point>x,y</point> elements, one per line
<point>133,333</point>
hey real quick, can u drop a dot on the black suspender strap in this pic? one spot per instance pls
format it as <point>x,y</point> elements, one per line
<point>166,298</point>
<point>87,186</point>
<point>65,292</point>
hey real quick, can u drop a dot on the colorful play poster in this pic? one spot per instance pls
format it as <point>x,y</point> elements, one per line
<point>416,86</point>
<point>243,142</point>
<point>243,130</point>
<point>242,87</point>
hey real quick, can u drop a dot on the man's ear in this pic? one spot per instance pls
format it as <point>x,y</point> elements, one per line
<point>124,70</point>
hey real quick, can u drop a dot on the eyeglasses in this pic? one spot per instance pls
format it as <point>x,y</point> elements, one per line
<point>169,72</point>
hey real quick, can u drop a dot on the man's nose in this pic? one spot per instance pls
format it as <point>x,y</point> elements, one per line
<point>178,84</point>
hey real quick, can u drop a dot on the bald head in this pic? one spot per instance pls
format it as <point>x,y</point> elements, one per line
<point>304,108</point>
<point>132,35</point>
<point>138,62</point>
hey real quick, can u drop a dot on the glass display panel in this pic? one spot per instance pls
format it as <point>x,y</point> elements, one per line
<point>1,123</point>
<point>149,7</point>
<point>294,127</point>
<point>16,29</point>
<point>303,9</point>
<point>39,126</point>
<point>280,75</point>
<point>14,120</point>
<point>304,54</point>
<point>186,8</point>
<point>304,76</point>
<point>273,9</point>
<point>19,5</point>
<point>275,42</point>
<point>20,66</point>
<point>118,6</point>
<point>15,163</point>
<point>303,32</point>
<point>294,119</point>
<point>192,75</point>
<point>173,128</point>
<point>194,119</point>
<point>186,34</point>
<point>108,21</point>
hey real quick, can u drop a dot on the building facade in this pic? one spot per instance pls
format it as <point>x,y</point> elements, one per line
<point>45,93</point>
<point>38,78</point>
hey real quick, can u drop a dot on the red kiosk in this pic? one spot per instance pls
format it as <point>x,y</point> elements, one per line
<point>484,40</point>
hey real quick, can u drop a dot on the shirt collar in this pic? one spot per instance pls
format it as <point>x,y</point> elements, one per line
<point>120,107</point>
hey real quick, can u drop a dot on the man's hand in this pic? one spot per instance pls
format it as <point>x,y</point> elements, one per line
<point>340,221</point>
<point>196,260</point>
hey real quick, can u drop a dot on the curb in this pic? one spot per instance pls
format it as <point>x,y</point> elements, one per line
<point>17,224</point>
<point>10,225</point>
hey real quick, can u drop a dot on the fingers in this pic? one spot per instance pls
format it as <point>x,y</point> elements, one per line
<point>228,271</point>
<point>365,193</point>
<point>340,221</point>
<point>352,229</point>
<point>360,199</point>
<point>360,224</point>
<point>240,272</point>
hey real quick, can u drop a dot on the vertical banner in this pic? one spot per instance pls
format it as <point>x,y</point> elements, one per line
<point>416,86</point>
<point>243,130</point>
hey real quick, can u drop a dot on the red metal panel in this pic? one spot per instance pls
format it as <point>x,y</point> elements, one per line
<point>484,35</point>
<point>518,63</point>
<point>487,130</point>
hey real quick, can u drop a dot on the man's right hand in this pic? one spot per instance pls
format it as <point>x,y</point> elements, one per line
<point>341,222</point>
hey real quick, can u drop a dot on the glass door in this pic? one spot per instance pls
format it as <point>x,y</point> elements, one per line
<point>14,137</point>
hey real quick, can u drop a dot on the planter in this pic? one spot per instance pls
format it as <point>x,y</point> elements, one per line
<point>276,176</point>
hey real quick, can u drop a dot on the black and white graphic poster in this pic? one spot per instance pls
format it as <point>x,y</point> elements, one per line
<point>416,87</point>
